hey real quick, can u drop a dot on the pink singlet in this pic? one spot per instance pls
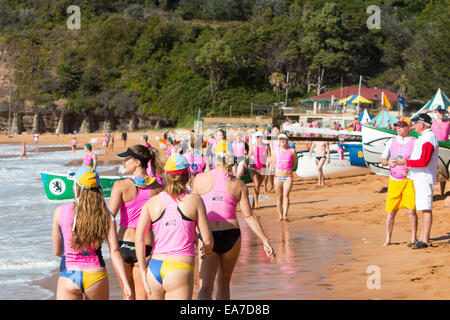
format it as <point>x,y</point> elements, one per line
<point>174,232</point>
<point>73,259</point>
<point>259,157</point>
<point>398,150</point>
<point>220,205</point>
<point>131,210</point>
<point>88,159</point>
<point>284,159</point>
<point>238,148</point>
<point>441,130</point>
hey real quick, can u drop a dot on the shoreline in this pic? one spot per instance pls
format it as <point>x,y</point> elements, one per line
<point>352,207</point>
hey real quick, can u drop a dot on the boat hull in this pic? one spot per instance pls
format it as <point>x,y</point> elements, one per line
<point>59,187</point>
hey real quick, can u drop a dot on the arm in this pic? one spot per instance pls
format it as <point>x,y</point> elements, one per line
<point>143,224</point>
<point>203,227</point>
<point>328,152</point>
<point>425,157</point>
<point>94,160</point>
<point>254,224</point>
<point>294,159</point>
<point>115,201</point>
<point>311,149</point>
<point>56,235</point>
<point>117,261</point>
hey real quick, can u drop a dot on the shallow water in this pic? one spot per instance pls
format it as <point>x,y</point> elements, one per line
<point>300,251</point>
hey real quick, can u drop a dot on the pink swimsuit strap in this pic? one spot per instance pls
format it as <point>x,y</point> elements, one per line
<point>174,233</point>
<point>220,205</point>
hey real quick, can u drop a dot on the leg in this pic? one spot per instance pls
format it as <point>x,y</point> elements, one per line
<point>157,291</point>
<point>139,291</point>
<point>389,227</point>
<point>227,263</point>
<point>207,274</point>
<point>287,185</point>
<point>413,223</point>
<point>426,226</point>
<point>240,169</point>
<point>279,193</point>
<point>442,183</point>
<point>320,164</point>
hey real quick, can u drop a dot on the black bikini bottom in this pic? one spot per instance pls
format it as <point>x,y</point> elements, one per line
<point>128,251</point>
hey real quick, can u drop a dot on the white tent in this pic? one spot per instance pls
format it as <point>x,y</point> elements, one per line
<point>439,99</point>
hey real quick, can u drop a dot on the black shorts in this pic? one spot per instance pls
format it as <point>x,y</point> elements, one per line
<point>128,251</point>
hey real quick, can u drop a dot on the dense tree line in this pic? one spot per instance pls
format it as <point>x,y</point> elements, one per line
<point>144,56</point>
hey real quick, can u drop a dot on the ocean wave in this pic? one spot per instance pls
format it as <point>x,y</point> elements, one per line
<point>50,265</point>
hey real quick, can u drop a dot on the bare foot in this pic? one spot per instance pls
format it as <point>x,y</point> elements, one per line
<point>387,243</point>
<point>286,219</point>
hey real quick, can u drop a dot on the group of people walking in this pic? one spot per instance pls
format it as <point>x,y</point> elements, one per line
<point>167,222</point>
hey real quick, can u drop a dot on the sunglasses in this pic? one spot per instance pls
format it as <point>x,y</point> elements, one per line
<point>399,125</point>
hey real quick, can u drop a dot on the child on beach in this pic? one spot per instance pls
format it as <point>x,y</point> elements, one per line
<point>79,229</point>
<point>90,159</point>
<point>74,145</point>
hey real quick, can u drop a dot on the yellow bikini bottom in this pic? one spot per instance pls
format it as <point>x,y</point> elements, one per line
<point>160,268</point>
<point>83,279</point>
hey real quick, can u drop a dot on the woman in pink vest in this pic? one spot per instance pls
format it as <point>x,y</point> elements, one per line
<point>79,229</point>
<point>173,216</point>
<point>130,195</point>
<point>401,192</point>
<point>260,154</point>
<point>221,193</point>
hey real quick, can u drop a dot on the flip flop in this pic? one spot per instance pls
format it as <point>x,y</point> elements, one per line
<point>412,244</point>
<point>420,245</point>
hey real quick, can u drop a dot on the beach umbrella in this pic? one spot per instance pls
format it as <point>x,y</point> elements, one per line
<point>361,99</point>
<point>348,99</point>
<point>439,99</point>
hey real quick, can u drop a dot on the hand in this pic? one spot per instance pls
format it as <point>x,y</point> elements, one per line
<point>203,254</point>
<point>328,160</point>
<point>393,162</point>
<point>128,293</point>
<point>144,281</point>
<point>270,253</point>
<point>405,173</point>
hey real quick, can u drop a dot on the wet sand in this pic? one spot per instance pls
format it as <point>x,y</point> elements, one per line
<point>335,235</point>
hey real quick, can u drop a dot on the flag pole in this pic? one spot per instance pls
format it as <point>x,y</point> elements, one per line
<point>382,107</point>
<point>359,95</point>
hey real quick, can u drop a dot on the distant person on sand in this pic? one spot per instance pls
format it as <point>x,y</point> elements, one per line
<point>401,192</point>
<point>74,145</point>
<point>221,192</point>
<point>79,229</point>
<point>260,153</point>
<point>422,171</point>
<point>124,138</point>
<point>90,159</point>
<point>111,143</point>
<point>144,141</point>
<point>173,216</point>
<point>130,195</point>
<point>36,138</point>
<point>441,128</point>
<point>105,141</point>
<point>322,149</point>
<point>23,154</point>
<point>286,160</point>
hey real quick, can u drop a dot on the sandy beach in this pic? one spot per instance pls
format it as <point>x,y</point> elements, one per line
<point>351,207</point>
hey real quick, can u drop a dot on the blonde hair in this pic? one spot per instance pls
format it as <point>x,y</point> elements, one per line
<point>93,219</point>
<point>176,184</point>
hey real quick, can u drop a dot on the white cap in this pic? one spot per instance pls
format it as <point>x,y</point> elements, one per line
<point>258,134</point>
<point>283,136</point>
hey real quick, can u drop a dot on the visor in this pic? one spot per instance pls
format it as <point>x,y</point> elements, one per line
<point>130,153</point>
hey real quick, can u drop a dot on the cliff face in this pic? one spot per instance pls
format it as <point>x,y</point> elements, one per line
<point>35,119</point>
